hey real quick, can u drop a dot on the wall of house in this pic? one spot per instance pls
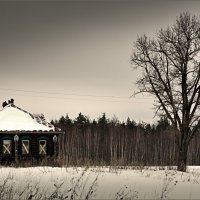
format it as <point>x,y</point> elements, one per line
<point>33,139</point>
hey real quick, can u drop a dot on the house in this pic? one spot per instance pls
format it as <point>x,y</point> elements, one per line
<point>24,136</point>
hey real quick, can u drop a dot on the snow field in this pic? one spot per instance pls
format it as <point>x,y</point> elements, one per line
<point>99,183</point>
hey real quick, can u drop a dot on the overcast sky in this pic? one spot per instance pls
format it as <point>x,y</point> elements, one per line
<point>74,56</point>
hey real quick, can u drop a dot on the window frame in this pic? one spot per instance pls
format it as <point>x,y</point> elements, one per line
<point>23,147</point>
<point>7,150</point>
<point>41,149</point>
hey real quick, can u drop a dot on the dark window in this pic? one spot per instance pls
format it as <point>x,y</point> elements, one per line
<point>7,146</point>
<point>42,147</point>
<point>25,147</point>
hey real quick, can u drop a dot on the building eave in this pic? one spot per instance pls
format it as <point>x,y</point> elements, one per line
<point>31,132</point>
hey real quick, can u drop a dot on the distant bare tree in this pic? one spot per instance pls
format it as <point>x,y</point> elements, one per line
<point>171,73</point>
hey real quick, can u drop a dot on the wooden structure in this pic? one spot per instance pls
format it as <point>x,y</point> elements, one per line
<point>22,137</point>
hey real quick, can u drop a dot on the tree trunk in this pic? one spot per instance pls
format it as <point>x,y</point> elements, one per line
<point>182,159</point>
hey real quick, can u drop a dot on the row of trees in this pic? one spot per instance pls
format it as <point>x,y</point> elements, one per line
<point>170,67</point>
<point>111,142</point>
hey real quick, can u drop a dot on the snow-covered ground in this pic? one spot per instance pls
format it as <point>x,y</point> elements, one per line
<point>99,183</point>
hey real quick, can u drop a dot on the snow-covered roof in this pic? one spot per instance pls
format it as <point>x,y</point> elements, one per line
<point>13,118</point>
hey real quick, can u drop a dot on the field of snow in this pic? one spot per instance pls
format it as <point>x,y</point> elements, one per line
<point>98,183</point>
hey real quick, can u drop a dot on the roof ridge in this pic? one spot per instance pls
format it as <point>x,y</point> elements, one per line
<point>23,110</point>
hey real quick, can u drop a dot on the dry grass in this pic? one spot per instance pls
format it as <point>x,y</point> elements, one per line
<point>28,191</point>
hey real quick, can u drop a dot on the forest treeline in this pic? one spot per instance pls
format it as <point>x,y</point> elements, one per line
<point>111,142</point>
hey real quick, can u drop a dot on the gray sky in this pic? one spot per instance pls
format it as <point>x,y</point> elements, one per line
<point>73,56</point>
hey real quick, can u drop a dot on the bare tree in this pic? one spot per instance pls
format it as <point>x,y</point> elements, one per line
<point>171,73</point>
